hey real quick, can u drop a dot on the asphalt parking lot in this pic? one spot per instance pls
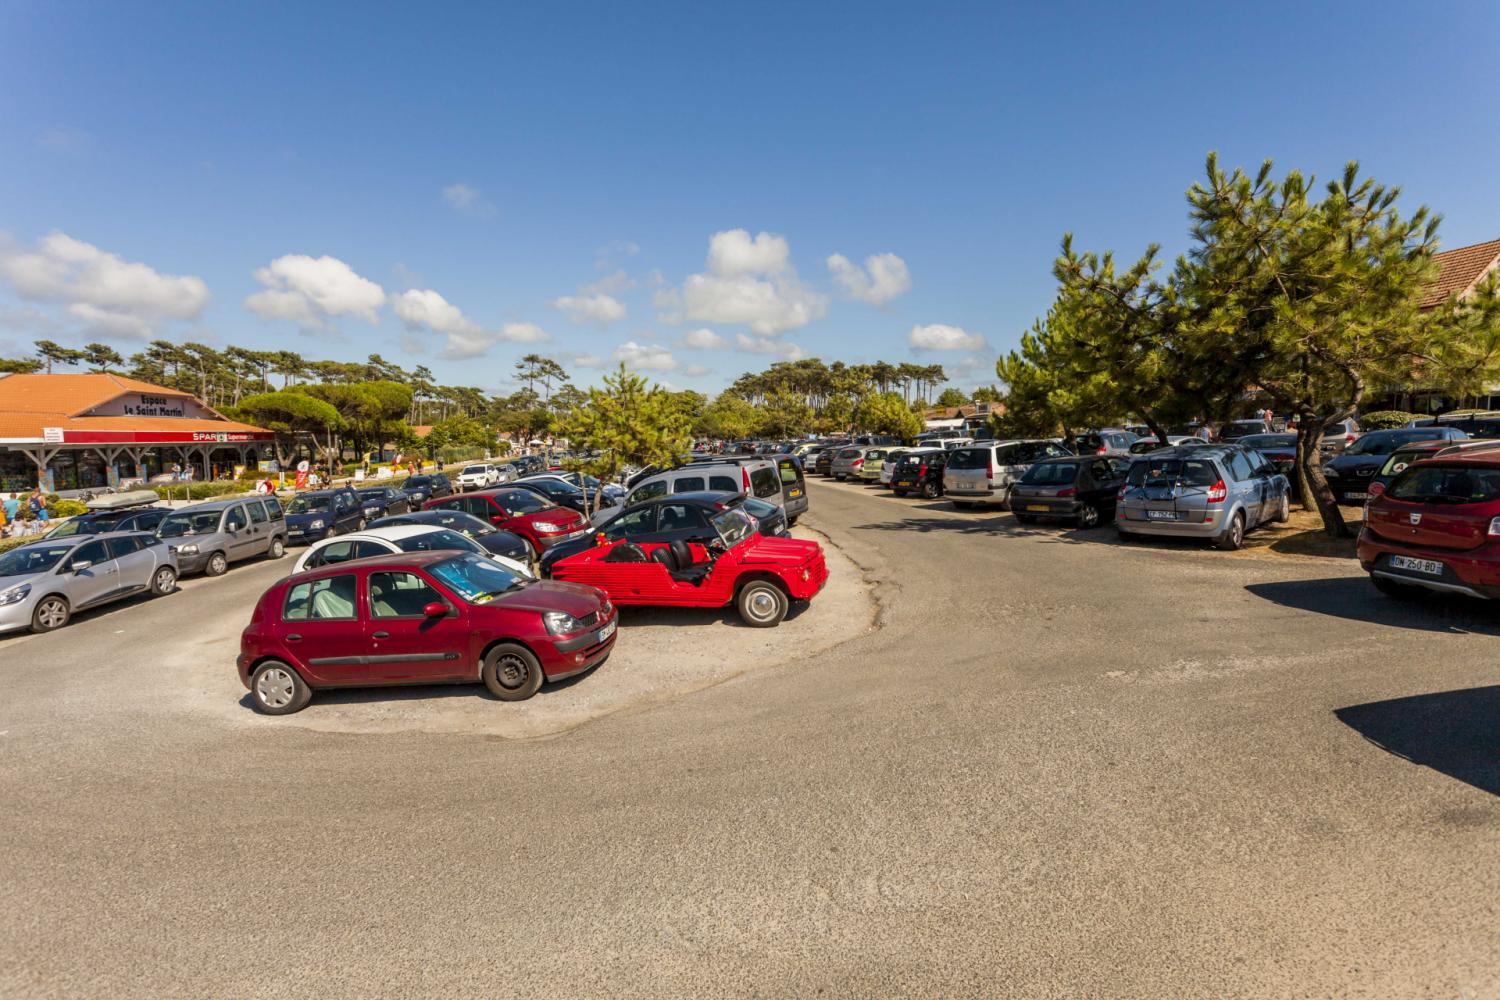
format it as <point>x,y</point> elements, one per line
<point>1059,767</point>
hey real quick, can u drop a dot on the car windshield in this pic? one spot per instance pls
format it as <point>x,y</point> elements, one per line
<point>1385,442</point>
<point>1447,484</point>
<point>1269,441</point>
<point>430,541</point>
<point>733,527</point>
<point>475,579</point>
<point>969,458</point>
<point>517,502</point>
<point>849,453</point>
<point>474,470</point>
<point>1173,472</point>
<point>190,523</point>
<point>307,505</point>
<point>1402,457</point>
<point>556,487</point>
<point>467,523</point>
<point>79,526</point>
<point>419,482</point>
<point>759,508</point>
<point>1051,474</point>
<point>29,559</point>
<point>376,494</point>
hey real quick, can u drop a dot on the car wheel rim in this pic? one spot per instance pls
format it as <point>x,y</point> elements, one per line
<point>52,613</point>
<point>1237,532</point>
<point>511,671</point>
<point>1088,517</point>
<point>275,688</point>
<point>217,564</point>
<point>164,580</point>
<point>762,605</point>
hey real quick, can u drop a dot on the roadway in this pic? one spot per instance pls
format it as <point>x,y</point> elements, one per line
<point>1062,767</point>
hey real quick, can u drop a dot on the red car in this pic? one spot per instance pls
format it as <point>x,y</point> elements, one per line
<point>1437,527</point>
<point>419,618</point>
<point>536,519</point>
<point>759,574</point>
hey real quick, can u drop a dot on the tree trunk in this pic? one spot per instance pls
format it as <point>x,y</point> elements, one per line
<point>1313,484</point>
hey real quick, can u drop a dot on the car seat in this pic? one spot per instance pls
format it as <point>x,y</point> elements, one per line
<point>678,560</point>
<point>626,552</point>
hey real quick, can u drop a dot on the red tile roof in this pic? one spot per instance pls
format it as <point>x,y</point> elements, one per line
<point>30,402</point>
<point>1461,269</point>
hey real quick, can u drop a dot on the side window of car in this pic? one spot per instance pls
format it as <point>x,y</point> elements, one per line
<point>400,595</point>
<point>1239,467</point>
<point>364,550</point>
<point>687,484</point>
<point>1100,471</point>
<point>638,522</point>
<point>124,546</point>
<point>93,552</point>
<point>678,517</point>
<point>1008,455</point>
<point>647,491</point>
<point>273,507</point>
<point>236,520</point>
<point>333,552</point>
<point>724,483</point>
<point>1119,468</point>
<point>257,511</point>
<point>328,599</point>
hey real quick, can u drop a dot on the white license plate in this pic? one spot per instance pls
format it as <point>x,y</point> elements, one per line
<point>606,631</point>
<point>1429,566</point>
<point>1162,515</point>
<point>1357,496</point>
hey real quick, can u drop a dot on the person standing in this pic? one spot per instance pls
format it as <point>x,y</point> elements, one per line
<point>39,506</point>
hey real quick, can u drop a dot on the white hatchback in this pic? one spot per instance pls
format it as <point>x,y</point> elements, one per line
<point>398,538</point>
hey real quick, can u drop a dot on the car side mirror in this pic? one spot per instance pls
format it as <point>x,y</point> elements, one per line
<point>437,609</point>
<point>79,567</point>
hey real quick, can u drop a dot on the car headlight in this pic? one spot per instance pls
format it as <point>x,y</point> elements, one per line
<point>187,550</point>
<point>372,510</point>
<point>14,594</point>
<point>559,623</point>
<point>550,527</point>
<point>315,525</point>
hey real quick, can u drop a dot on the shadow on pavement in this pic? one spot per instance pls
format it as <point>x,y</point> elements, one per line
<point>1353,597</point>
<point>1454,732</point>
<point>1001,525</point>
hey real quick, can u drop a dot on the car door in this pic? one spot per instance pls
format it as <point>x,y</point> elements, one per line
<point>323,630</point>
<point>1246,487</point>
<point>240,542</point>
<point>405,644</point>
<point>89,575</point>
<point>260,527</point>
<point>133,563</point>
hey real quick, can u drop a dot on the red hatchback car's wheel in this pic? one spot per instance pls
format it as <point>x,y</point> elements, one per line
<point>277,689</point>
<point>511,672</point>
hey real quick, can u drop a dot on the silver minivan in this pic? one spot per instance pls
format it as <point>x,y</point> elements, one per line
<point>984,473</point>
<point>1215,492</point>
<point>209,536</point>
<point>756,477</point>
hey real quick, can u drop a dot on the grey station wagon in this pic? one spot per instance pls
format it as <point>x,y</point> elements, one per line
<point>1216,492</point>
<point>42,584</point>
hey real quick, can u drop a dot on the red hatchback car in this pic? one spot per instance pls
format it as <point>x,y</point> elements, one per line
<point>419,618</point>
<point>1437,527</point>
<point>536,519</point>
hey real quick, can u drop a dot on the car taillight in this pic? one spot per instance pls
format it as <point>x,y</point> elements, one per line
<point>1101,450</point>
<point>989,468</point>
<point>858,462</point>
<point>1494,526</point>
<point>1068,492</point>
<point>1217,492</point>
<point>1376,489</point>
<point>745,478</point>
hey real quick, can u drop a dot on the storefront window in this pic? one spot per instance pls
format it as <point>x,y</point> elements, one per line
<point>17,472</point>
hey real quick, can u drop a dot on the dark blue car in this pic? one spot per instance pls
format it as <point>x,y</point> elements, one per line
<point>382,501</point>
<point>315,515</point>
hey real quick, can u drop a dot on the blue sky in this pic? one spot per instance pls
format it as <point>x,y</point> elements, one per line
<point>464,168</point>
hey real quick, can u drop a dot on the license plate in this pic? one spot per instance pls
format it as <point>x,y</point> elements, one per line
<point>1429,566</point>
<point>1357,496</point>
<point>794,493</point>
<point>903,483</point>
<point>606,632</point>
<point>1162,515</point>
<point>1040,507</point>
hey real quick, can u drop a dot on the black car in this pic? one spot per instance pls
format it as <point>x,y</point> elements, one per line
<point>1079,488</point>
<point>489,537</point>
<point>561,493</point>
<point>682,516</point>
<point>823,464</point>
<point>1349,474</point>
<point>421,488</point>
<point>921,473</point>
<point>97,522</point>
<point>382,501</point>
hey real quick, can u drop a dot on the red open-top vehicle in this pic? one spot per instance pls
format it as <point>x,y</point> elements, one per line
<point>760,575</point>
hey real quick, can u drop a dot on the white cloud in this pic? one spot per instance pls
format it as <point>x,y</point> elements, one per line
<point>309,291</point>
<point>939,337</point>
<point>638,357</point>
<point>703,339</point>
<point>524,333</point>
<point>599,309</point>
<point>610,284</point>
<point>783,349</point>
<point>466,198</point>
<point>735,251</point>
<point>749,282</point>
<point>114,296</point>
<point>883,277</point>
<point>427,310</point>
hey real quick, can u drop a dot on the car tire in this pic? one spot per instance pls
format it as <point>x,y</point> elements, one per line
<point>51,613</point>
<point>277,549</point>
<point>1283,510</point>
<point>1088,517</point>
<point>930,490</point>
<point>360,524</point>
<point>163,581</point>
<point>511,672</point>
<point>761,604</point>
<point>217,565</point>
<point>277,689</point>
<point>1234,535</point>
<point>1390,588</point>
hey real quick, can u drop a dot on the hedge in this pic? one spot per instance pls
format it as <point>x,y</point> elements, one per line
<point>1384,420</point>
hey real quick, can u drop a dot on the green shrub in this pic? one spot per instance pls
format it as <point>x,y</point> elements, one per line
<point>67,508</point>
<point>1384,420</point>
<point>198,491</point>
